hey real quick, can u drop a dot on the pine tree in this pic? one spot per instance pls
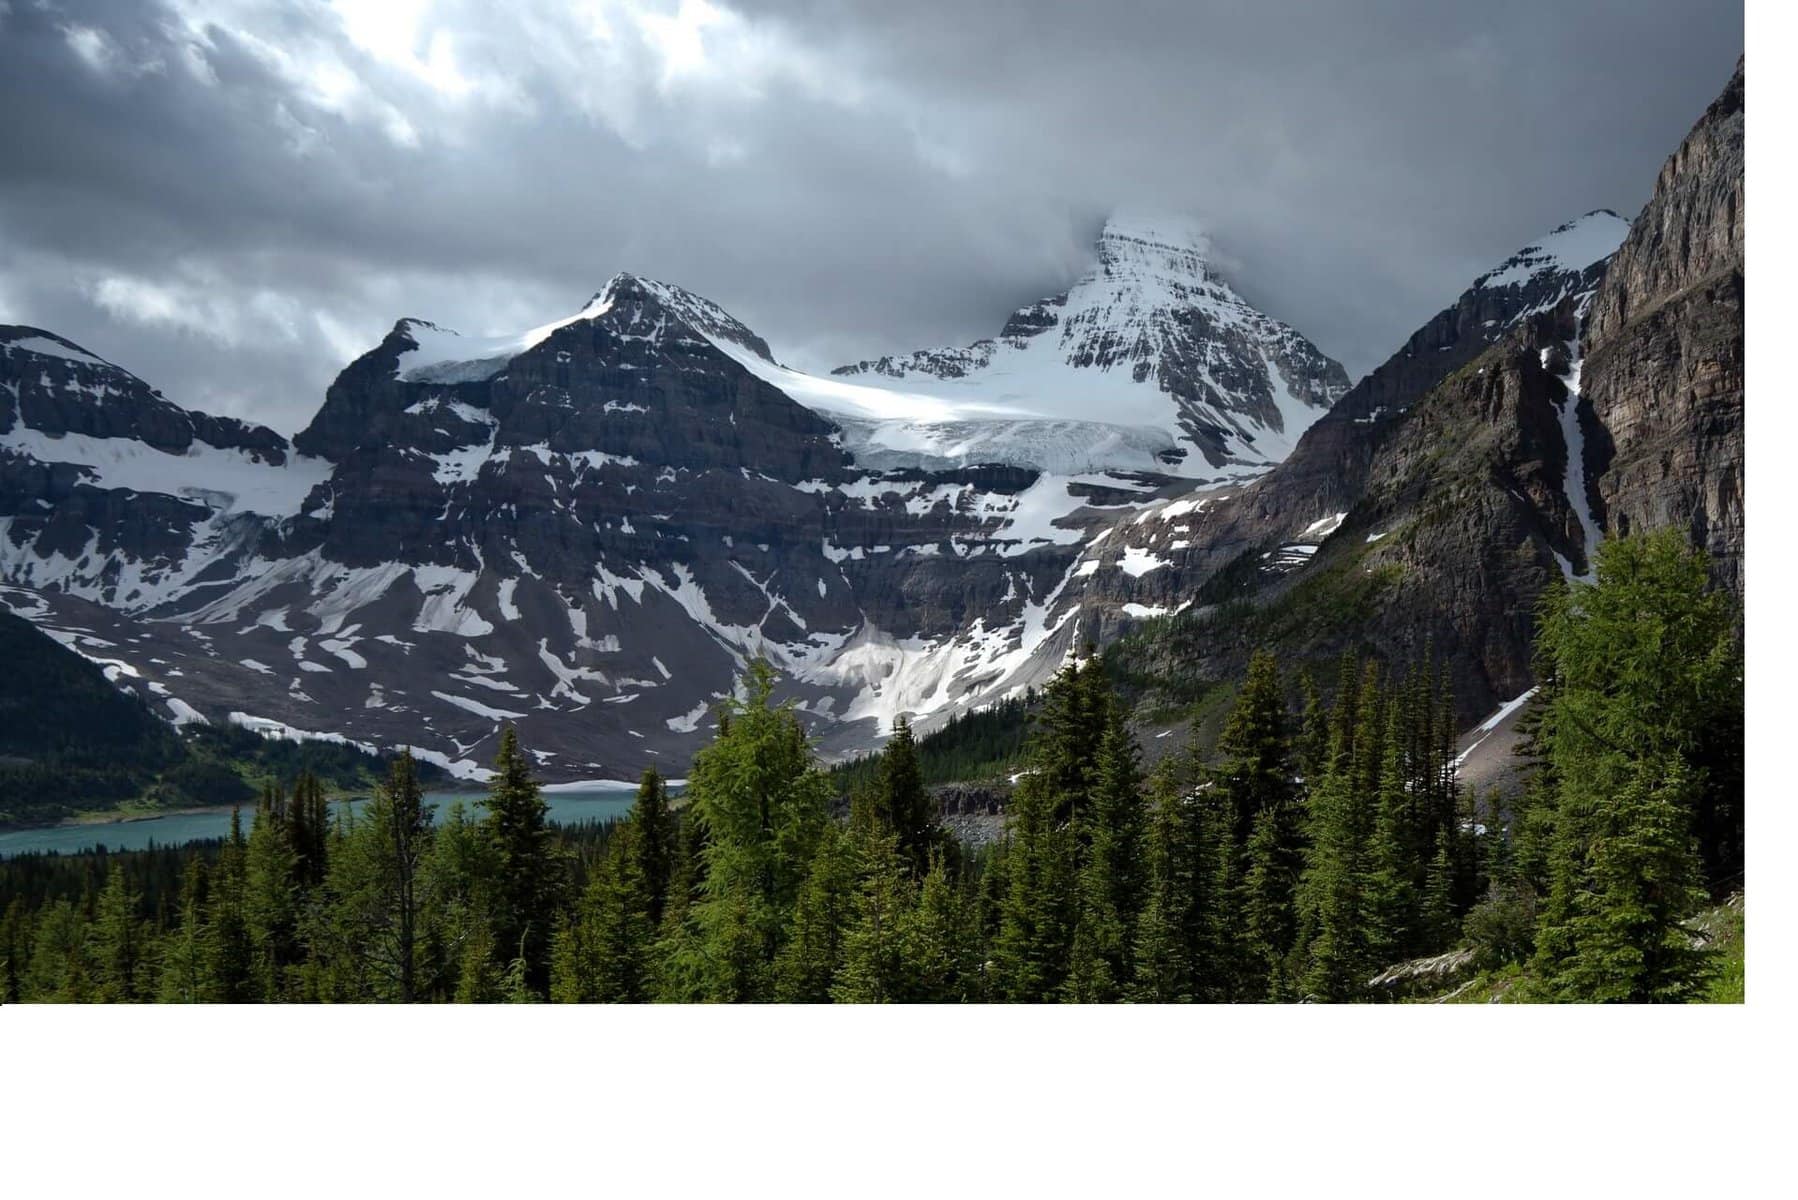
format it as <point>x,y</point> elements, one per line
<point>60,970</point>
<point>456,886</point>
<point>272,894</point>
<point>1392,898</point>
<point>1314,737</point>
<point>230,966</point>
<point>942,943</point>
<point>118,942</point>
<point>763,805</point>
<point>902,802</point>
<point>809,961</point>
<point>601,954</point>
<point>1270,901</point>
<point>309,830</point>
<point>15,951</point>
<point>875,969</point>
<point>529,873</point>
<point>1170,933</point>
<point>1048,826</point>
<point>1254,776</point>
<point>183,968</point>
<point>1038,914</point>
<point>1642,662</point>
<point>1437,918</point>
<point>654,842</point>
<point>1334,887</point>
<point>375,927</point>
<point>1102,959</point>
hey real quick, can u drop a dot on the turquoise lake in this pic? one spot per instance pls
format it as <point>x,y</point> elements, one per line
<point>588,803</point>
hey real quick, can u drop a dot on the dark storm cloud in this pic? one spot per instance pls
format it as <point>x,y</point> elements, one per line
<point>234,198</point>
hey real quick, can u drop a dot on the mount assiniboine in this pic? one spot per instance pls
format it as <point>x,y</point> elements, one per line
<point>588,529</point>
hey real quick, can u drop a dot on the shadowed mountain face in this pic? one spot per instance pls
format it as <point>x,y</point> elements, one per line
<point>589,528</point>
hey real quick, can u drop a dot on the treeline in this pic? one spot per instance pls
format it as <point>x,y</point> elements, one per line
<point>1322,841</point>
<point>982,744</point>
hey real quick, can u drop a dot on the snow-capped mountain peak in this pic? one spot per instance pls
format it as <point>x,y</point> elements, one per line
<point>1150,244</point>
<point>1569,249</point>
<point>639,307</point>
<point>1151,337</point>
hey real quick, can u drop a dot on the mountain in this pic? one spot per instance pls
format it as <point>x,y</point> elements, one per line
<point>1429,507</point>
<point>1589,386</point>
<point>1664,368</point>
<point>589,528</point>
<point>1155,338</point>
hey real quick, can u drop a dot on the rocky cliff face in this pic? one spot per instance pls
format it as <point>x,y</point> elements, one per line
<point>1664,364</point>
<point>1431,505</point>
<point>1459,519</point>
<point>1567,394</point>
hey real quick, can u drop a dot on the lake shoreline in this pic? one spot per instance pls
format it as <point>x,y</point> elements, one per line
<point>114,816</point>
<point>172,827</point>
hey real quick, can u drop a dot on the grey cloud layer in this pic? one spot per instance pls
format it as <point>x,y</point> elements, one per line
<point>231,199</point>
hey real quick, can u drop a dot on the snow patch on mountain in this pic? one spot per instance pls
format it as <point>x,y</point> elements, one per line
<point>441,355</point>
<point>1568,249</point>
<point>227,480</point>
<point>54,348</point>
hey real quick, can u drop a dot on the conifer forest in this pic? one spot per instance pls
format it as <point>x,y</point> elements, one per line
<point>1321,851</point>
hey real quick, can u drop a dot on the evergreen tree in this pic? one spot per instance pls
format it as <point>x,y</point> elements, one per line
<point>1047,830</point>
<point>1392,884</point>
<point>1112,880</point>
<point>183,975</point>
<point>942,943</point>
<point>1270,901</point>
<point>1254,776</point>
<point>15,950</point>
<point>118,942</point>
<point>764,805</point>
<point>809,962</point>
<point>309,830</point>
<point>1172,952</point>
<point>654,842</point>
<point>458,951</point>
<point>875,969</point>
<point>903,804</point>
<point>1038,914</point>
<point>1334,887</point>
<point>272,894</point>
<point>230,966</point>
<point>60,970</point>
<point>529,874</point>
<point>375,883</point>
<point>600,955</point>
<point>1643,661</point>
<point>1314,736</point>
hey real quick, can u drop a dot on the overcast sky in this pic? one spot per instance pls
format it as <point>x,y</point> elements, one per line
<point>233,199</point>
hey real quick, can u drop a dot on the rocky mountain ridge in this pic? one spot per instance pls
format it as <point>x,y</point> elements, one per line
<point>1554,404</point>
<point>1665,368</point>
<point>587,529</point>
